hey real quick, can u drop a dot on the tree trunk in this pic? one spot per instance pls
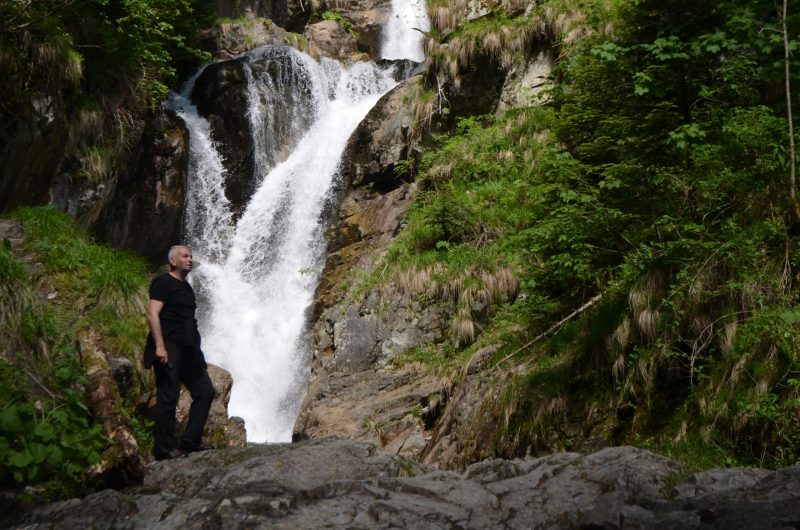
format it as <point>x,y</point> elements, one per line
<point>789,117</point>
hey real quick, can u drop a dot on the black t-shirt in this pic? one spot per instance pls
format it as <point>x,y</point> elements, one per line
<point>177,317</point>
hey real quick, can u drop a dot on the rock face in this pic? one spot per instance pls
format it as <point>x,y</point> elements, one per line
<point>384,139</point>
<point>145,212</point>
<point>525,84</point>
<point>31,145</point>
<point>290,14</point>
<point>337,484</point>
<point>354,389</point>
<point>220,94</point>
<point>328,38</point>
<point>367,17</point>
<point>229,39</point>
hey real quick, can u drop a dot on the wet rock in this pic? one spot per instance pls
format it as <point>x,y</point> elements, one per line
<point>144,213</point>
<point>282,86</point>
<point>340,484</point>
<point>328,38</point>
<point>220,94</point>
<point>383,140</point>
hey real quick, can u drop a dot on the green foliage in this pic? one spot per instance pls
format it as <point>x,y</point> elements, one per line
<point>48,438</point>
<point>99,275</point>
<point>99,41</point>
<point>345,22</point>
<point>656,177</point>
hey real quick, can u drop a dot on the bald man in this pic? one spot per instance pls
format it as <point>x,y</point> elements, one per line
<point>174,353</point>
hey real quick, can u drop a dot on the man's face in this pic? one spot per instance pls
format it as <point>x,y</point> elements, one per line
<point>182,261</point>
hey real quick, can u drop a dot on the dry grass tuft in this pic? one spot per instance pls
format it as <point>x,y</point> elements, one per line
<point>474,291</point>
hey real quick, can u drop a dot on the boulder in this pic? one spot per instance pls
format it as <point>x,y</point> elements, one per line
<point>220,430</point>
<point>328,38</point>
<point>229,39</point>
<point>341,484</point>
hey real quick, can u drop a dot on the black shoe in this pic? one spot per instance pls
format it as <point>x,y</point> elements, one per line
<point>172,454</point>
<point>197,449</point>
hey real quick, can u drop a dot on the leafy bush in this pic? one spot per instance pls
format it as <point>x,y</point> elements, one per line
<point>50,437</point>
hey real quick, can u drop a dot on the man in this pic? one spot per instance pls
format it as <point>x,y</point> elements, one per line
<point>173,350</point>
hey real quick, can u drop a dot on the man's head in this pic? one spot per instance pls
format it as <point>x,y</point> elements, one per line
<point>180,259</point>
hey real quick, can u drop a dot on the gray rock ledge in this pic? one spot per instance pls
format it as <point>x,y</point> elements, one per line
<point>334,483</point>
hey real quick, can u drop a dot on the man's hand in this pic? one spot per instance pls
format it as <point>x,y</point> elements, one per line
<point>162,356</point>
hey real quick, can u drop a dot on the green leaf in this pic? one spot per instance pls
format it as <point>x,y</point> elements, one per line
<point>9,419</point>
<point>44,432</point>
<point>56,456</point>
<point>39,452</point>
<point>20,459</point>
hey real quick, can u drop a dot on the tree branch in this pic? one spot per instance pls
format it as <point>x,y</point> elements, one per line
<point>552,328</point>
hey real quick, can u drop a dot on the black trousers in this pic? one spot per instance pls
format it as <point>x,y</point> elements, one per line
<point>187,365</point>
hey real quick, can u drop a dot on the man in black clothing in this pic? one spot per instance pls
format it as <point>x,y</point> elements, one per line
<point>173,350</point>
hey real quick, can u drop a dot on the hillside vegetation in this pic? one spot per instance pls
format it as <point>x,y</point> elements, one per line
<point>633,239</point>
<point>48,436</point>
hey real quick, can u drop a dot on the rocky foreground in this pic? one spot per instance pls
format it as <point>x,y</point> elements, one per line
<point>333,483</point>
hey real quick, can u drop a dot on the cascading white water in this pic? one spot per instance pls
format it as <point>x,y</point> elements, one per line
<point>257,276</point>
<point>403,32</point>
<point>259,286</point>
<point>207,208</point>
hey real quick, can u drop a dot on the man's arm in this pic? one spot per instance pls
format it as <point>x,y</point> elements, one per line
<point>153,312</point>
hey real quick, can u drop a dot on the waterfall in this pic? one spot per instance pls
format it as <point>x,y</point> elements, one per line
<point>403,32</point>
<point>258,277</point>
<point>255,277</point>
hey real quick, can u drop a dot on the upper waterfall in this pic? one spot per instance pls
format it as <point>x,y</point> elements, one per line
<point>404,31</point>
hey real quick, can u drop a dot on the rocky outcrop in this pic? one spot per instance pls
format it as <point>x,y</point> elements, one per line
<point>387,407</point>
<point>525,84</point>
<point>366,18</point>
<point>336,484</point>
<point>32,141</point>
<point>228,39</point>
<point>121,463</point>
<point>290,14</point>
<point>220,94</point>
<point>145,211</point>
<point>328,38</point>
<point>383,140</point>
